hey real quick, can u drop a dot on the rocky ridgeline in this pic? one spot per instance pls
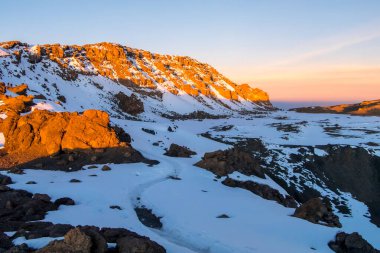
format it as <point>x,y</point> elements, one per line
<point>371,108</point>
<point>138,69</point>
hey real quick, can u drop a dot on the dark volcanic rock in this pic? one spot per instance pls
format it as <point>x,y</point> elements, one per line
<point>352,170</point>
<point>5,242</point>
<point>129,104</point>
<point>132,244</point>
<point>148,218</point>
<point>179,151</point>
<point>64,201</point>
<point>263,191</point>
<point>228,161</point>
<point>351,243</point>
<point>318,211</point>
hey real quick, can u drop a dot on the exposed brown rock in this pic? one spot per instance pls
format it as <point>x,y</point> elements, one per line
<point>17,104</point>
<point>224,162</point>
<point>351,243</point>
<point>179,151</point>
<point>19,90</point>
<point>129,104</point>
<point>133,244</point>
<point>318,211</point>
<point>263,191</point>
<point>65,140</point>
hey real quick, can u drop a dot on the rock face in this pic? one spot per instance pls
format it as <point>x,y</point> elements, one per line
<point>351,243</point>
<point>318,211</point>
<point>179,151</point>
<point>64,140</point>
<point>371,108</point>
<point>129,104</point>
<point>51,132</point>
<point>353,170</point>
<point>228,161</point>
<point>263,191</point>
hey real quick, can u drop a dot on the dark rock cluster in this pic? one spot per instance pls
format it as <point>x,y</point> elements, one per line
<point>224,162</point>
<point>179,151</point>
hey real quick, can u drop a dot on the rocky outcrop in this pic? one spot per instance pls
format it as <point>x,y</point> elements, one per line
<point>179,151</point>
<point>19,104</point>
<point>129,104</point>
<point>50,132</point>
<point>318,211</point>
<point>351,243</point>
<point>224,162</point>
<point>370,108</point>
<point>262,190</point>
<point>350,169</point>
<point>77,240</point>
<point>19,89</point>
<point>64,140</point>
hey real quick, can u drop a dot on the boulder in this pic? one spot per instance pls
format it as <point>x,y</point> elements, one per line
<point>224,162</point>
<point>318,211</point>
<point>179,151</point>
<point>351,243</point>
<point>130,244</point>
<point>75,241</point>
<point>49,132</point>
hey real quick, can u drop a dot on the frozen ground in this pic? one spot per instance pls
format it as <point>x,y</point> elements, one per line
<point>189,207</point>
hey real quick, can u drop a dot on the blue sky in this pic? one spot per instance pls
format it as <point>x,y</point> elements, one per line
<point>290,48</point>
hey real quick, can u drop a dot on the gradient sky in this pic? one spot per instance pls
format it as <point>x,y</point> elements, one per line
<point>297,50</point>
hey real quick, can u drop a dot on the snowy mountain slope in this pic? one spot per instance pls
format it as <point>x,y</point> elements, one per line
<point>188,198</point>
<point>165,83</point>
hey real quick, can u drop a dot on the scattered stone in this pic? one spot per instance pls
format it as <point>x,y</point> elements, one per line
<point>222,163</point>
<point>175,178</point>
<point>64,201</point>
<point>223,216</point>
<point>179,151</point>
<point>351,243</point>
<point>92,167</point>
<point>170,129</point>
<point>115,207</point>
<point>93,175</point>
<point>61,98</point>
<point>75,181</point>
<point>31,182</point>
<point>106,168</point>
<point>149,131</point>
<point>318,211</point>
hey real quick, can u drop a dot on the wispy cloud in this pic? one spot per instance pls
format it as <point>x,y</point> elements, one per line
<point>360,35</point>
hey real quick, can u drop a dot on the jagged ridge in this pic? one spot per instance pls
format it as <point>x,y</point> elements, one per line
<point>139,69</point>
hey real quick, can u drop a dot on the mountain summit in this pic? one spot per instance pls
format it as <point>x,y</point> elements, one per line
<point>164,78</point>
